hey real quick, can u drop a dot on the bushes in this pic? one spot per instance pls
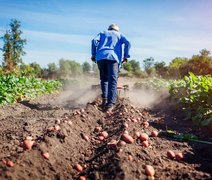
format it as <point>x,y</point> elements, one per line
<point>194,93</point>
<point>15,88</point>
<point>154,84</point>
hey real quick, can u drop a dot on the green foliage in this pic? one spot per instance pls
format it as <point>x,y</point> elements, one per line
<point>132,68</point>
<point>13,45</point>
<point>15,88</point>
<point>69,68</point>
<point>52,71</point>
<point>153,84</point>
<point>86,67</point>
<point>192,93</point>
<point>148,65</point>
<point>161,69</point>
<point>198,64</point>
<point>175,67</point>
<point>127,67</point>
<point>195,95</point>
<point>31,70</point>
<point>135,65</point>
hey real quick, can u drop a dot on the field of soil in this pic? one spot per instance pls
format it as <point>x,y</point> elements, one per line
<point>70,135</point>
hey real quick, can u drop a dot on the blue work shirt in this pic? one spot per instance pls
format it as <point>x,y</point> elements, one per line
<point>108,45</point>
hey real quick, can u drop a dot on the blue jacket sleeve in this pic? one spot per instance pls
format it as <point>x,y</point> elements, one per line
<point>93,48</point>
<point>127,46</point>
<point>94,44</point>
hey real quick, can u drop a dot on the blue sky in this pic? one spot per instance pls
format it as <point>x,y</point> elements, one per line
<point>162,29</point>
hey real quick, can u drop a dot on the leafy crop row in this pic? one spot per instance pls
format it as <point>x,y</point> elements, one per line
<point>193,94</point>
<point>13,88</point>
<point>154,84</point>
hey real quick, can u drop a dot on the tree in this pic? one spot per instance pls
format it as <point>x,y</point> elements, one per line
<point>69,68</point>
<point>31,70</point>
<point>161,68</point>
<point>127,67</point>
<point>135,65</point>
<point>198,64</point>
<point>175,67</point>
<point>205,53</point>
<point>13,46</point>
<point>36,69</point>
<point>86,67</point>
<point>148,65</point>
<point>52,70</point>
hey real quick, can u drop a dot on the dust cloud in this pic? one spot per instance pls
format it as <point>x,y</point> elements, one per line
<point>147,98</point>
<point>143,97</point>
<point>79,94</point>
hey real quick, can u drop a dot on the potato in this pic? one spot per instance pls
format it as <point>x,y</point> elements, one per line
<point>150,170</point>
<point>57,127</point>
<point>82,178</point>
<point>121,143</point>
<point>104,134</point>
<point>78,167</point>
<point>9,163</point>
<point>127,138</point>
<point>145,143</point>
<point>171,154</point>
<point>179,156</point>
<point>144,137</point>
<point>101,138</point>
<point>130,158</point>
<point>46,155</point>
<point>125,125</point>
<point>154,133</point>
<point>28,144</point>
<point>85,137</point>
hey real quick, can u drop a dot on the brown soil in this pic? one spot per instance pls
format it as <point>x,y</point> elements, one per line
<point>67,147</point>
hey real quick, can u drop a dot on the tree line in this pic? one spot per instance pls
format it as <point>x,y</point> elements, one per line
<point>13,50</point>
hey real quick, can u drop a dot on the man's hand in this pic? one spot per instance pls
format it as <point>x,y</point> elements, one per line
<point>93,58</point>
<point>125,60</point>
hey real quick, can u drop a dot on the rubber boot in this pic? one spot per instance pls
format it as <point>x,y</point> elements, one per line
<point>104,101</point>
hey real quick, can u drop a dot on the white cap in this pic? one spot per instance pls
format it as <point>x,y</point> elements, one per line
<point>113,27</point>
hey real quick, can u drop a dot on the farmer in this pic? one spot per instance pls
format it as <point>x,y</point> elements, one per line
<point>106,50</point>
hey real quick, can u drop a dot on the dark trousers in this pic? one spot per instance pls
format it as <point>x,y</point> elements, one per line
<point>108,80</point>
